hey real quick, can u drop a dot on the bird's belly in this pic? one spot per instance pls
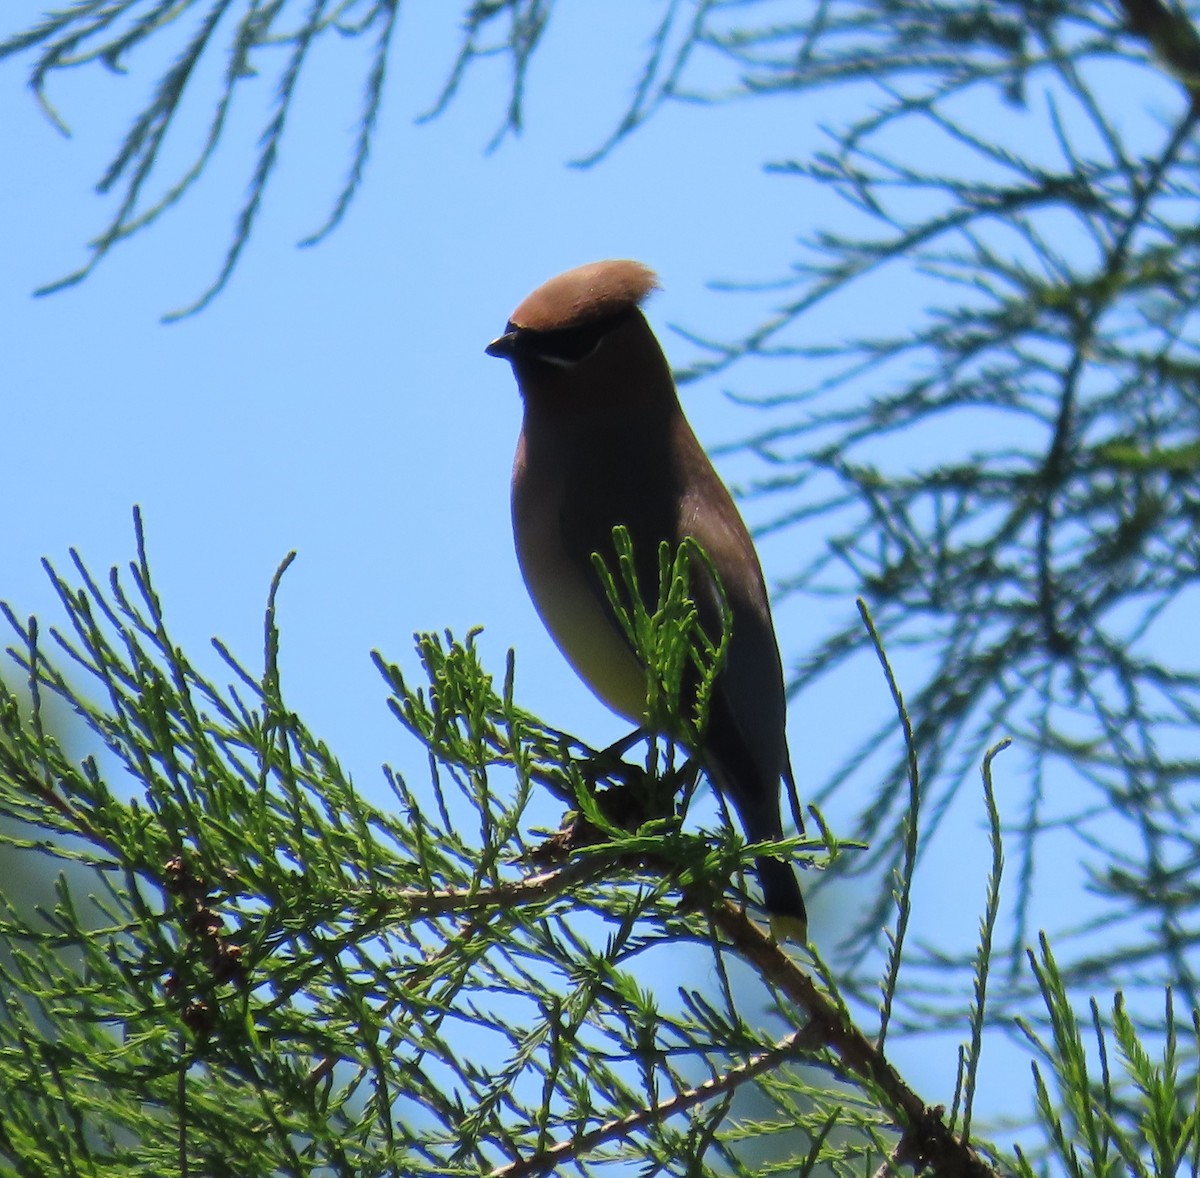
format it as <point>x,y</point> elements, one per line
<point>583,630</point>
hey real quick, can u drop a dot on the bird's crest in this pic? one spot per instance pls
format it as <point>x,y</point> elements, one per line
<point>599,290</point>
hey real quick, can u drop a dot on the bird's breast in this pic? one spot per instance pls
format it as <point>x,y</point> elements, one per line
<point>566,590</point>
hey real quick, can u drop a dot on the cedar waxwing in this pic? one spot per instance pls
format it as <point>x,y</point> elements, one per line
<point>604,442</point>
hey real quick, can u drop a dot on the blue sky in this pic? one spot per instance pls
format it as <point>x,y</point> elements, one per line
<point>337,400</point>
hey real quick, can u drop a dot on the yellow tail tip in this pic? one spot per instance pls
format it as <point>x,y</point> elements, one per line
<point>789,928</point>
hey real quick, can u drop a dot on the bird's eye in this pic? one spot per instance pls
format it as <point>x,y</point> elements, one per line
<point>566,346</point>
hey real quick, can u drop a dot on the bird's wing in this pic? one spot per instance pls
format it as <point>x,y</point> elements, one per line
<point>746,740</point>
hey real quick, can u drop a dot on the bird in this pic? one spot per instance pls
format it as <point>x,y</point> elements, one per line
<point>604,442</point>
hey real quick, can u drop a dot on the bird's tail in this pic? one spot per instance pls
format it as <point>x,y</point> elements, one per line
<point>783,901</point>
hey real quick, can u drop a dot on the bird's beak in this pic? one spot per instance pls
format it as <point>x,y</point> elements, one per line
<point>505,346</point>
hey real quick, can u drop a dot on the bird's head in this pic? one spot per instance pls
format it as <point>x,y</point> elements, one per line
<point>582,329</point>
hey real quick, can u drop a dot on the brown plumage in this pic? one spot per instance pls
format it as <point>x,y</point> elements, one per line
<point>604,442</point>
